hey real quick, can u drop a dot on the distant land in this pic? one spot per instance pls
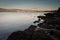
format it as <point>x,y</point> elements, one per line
<point>23,10</point>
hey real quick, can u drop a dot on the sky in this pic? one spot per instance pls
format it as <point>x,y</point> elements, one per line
<point>30,4</point>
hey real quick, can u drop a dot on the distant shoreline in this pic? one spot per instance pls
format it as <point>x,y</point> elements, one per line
<point>21,10</point>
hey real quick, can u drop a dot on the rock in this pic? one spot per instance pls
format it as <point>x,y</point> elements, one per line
<point>31,28</point>
<point>21,35</point>
<point>48,30</point>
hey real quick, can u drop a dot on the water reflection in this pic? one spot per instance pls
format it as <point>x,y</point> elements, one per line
<point>14,21</point>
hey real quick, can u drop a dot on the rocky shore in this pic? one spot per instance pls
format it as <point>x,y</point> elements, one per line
<point>48,29</point>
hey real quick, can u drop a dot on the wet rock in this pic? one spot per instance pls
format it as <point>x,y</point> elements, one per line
<point>31,28</point>
<point>48,30</point>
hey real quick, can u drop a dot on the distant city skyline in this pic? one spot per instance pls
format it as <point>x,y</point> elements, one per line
<point>30,4</point>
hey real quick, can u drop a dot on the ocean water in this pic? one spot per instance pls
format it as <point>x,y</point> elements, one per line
<point>15,21</point>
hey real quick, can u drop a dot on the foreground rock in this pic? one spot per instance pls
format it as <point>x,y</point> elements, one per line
<point>49,29</point>
<point>22,35</point>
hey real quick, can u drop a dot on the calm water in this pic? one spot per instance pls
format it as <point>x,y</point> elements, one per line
<point>14,21</point>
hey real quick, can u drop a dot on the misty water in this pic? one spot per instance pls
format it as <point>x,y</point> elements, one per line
<point>15,21</point>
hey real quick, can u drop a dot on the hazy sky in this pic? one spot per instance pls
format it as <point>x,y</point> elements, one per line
<point>30,4</point>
